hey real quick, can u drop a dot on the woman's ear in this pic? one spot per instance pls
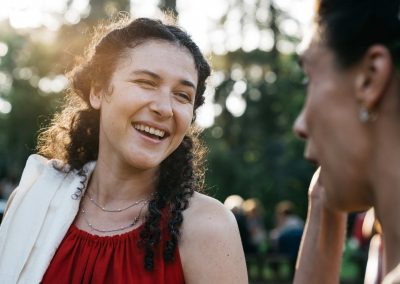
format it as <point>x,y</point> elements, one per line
<point>95,98</point>
<point>374,75</point>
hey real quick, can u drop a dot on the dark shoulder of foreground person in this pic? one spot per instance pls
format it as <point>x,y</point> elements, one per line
<point>210,248</point>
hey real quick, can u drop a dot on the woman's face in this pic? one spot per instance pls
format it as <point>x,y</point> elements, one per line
<point>148,107</point>
<point>335,138</point>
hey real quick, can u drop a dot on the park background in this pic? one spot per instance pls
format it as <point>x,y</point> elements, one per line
<point>254,93</point>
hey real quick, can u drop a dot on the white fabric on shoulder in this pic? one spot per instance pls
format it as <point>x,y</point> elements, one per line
<point>33,168</point>
<point>37,219</point>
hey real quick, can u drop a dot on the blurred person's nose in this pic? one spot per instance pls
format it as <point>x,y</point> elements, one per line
<point>299,126</point>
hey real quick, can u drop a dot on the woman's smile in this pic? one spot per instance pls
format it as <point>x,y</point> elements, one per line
<point>155,133</point>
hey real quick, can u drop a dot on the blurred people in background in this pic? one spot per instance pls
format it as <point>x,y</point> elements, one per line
<point>254,213</point>
<point>286,236</point>
<point>234,203</point>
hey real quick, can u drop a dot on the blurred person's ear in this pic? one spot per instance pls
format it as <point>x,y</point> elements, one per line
<point>374,74</point>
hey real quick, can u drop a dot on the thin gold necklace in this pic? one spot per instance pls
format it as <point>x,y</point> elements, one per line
<point>145,201</point>
<point>121,228</point>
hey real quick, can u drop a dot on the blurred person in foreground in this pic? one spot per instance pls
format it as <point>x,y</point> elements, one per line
<point>350,121</point>
<point>114,198</point>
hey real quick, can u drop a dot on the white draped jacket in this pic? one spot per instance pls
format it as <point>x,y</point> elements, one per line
<point>37,219</point>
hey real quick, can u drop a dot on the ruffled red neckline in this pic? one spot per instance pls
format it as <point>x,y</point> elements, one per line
<point>74,230</point>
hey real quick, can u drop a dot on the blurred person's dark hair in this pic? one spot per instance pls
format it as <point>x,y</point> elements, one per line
<point>349,27</point>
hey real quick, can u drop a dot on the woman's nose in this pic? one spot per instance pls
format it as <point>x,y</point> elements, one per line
<point>162,104</point>
<point>299,127</point>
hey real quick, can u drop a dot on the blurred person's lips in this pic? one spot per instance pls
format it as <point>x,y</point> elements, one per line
<point>312,160</point>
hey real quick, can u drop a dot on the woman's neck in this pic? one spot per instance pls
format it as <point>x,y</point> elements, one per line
<point>389,217</point>
<point>113,185</point>
<point>384,173</point>
<point>386,184</point>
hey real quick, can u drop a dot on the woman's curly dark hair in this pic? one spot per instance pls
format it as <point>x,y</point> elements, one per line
<point>73,135</point>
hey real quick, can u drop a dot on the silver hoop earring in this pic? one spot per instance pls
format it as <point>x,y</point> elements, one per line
<point>363,114</point>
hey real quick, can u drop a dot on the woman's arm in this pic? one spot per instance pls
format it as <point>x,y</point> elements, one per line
<point>211,249</point>
<point>320,254</point>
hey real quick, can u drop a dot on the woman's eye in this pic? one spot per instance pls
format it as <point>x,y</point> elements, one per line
<point>146,84</point>
<point>184,96</point>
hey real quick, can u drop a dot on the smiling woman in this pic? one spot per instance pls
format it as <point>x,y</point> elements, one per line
<point>115,199</point>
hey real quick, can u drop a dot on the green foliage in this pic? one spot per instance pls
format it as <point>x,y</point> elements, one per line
<point>33,55</point>
<point>257,154</point>
<point>29,106</point>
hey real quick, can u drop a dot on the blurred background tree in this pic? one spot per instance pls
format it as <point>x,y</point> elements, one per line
<point>253,151</point>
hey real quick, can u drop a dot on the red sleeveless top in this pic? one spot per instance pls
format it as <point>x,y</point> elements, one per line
<point>86,258</point>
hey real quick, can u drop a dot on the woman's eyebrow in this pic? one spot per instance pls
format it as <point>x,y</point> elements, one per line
<point>146,72</point>
<point>188,84</point>
<point>158,77</point>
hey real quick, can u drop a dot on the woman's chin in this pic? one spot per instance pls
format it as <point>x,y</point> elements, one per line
<point>143,163</point>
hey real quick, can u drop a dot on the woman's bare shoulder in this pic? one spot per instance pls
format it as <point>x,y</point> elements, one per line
<point>208,211</point>
<point>210,247</point>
